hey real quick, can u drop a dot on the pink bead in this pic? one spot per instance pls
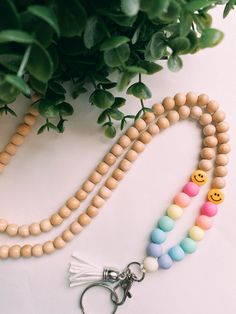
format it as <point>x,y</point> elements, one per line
<point>204,222</point>
<point>182,200</point>
<point>209,209</point>
<point>191,189</point>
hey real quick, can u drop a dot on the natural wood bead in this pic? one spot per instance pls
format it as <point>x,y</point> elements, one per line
<point>148,117</point>
<point>67,235</point>
<point>84,219</point>
<point>5,158</point>
<point>132,133</point>
<point>111,183</point>
<point>153,129</point>
<point>180,99</point>
<point>23,231</point>
<point>35,229</point>
<point>59,243</point>
<point>205,119</point>
<point>221,160</point>
<point>102,168</point>
<point>140,124</point>
<point>37,250</point>
<point>88,186</point>
<point>92,211</point>
<point>218,116</point>
<point>173,116</point>
<point>220,171</point>
<point>223,138</point>
<point>125,165</point>
<point>168,103</point>
<point>207,153</point>
<point>184,112</point>
<point>17,139</point>
<point>191,98</point>
<point>4,251</point>
<point>64,212</point>
<point>29,119</point>
<point>138,147</point>
<point>48,247</point>
<point>124,141</point>
<point>73,203</point>
<point>145,137</point>
<point>3,225</point>
<point>26,250</point>
<point>158,109</point>
<point>104,192</point>
<point>163,123</point>
<point>23,129</point>
<point>14,251</point>
<point>131,155</point>
<point>2,167</point>
<point>35,97</point>
<point>210,141</point>
<point>33,111</point>
<point>110,159</point>
<point>45,225</point>
<point>195,112</point>
<point>11,149</point>
<point>205,165</point>
<point>98,201</point>
<point>209,130</point>
<point>12,230</point>
<point>222,127</point>
<point>56,220</point>
<point>81,194</point>
<point>224,148</point>
<point>212,106</point>
<point>117,150</point>
<point>203,100</point>
<point>218,183</point>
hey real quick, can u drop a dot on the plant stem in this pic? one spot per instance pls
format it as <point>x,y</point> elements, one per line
<point>24,61</point>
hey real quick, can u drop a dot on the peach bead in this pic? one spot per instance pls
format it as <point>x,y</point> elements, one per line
<point>182,200</point>
<point>168,103</point>
<point>98,201</point>
<point>124,141</point>
<point>17,139</point>
<point>218,116</point>
<point>102,168</point>
<point>104,192</point>
<point>48,247</point>
<point>14,251</point>
<point>222,127</point>
<point>2,167</point>
<point>191,98</point>
<point>29,119</point>
<point>204,222</point>
<point>34,229</point>
<point>59,243</point>
<point>111,183</point>
<point>132,133</point>
<point>205,119</point>
<point>163,123</point>
<point>218,183</point>
<point>11,149</point>
<point>224,148</point>
<point>110,159</point>
<point>67,235</point>
<point>4,251</point>
<point>35,97</point>
<point>45,225</point>
<point>210,141</point>
<point>205,165</point>
<point>84,219</point>
<point>140,124</point>
<point>64,212</point>
<point>23,129</point>
<point>207,153</point>
<point>26,250</point>
<point>145,137</point>
<point>12,230</point>
<point>33,111</point>
<point>223,138</point>
<point>173,116</point>
<point>131,155</point>
<point>148,117</point>
<point>220,171</point>
<point>3,225</point>
<point>81,194</point>
<point>184,112</point>
<point>221,160</point>
<point>153,129</point>
<point>92,211</point>
<point>125,165</point>
<point>5,158</point>
<point>117,150</point>
<point>212,106</point>
<point>138,147</point>
<point>73,203</point>
<point>118,174</point>
<point>56,220</point>
<point>209,130</point>
<point>158,109</point>
<point>202,100</point>
<point>23,231</point>
<point>195,112</point>
<point>180,99</point>
<point>37,250</point>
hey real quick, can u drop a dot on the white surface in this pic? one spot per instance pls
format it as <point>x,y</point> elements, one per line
<point>49,168</point>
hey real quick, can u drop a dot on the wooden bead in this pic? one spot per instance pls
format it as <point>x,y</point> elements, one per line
<point>205,119</point>
<point>145,137</point>
<point>184,112</point>
<point>140,124</point>
<point>125,165</point>
<point>153,129</point>
<point>64,212</point>
<point>17,139</point>
<point>180,99</point>
<point>220,171</point>
<point>132,133</point>
<point>168,103</point>
<point>191,98</point>
<point>56,220</point>
<point>23,231</point>
<point>195,112</point>
<point>37,250</point>
<point>223,138</point>
<point>2,167</point>
<point>148,117</point>
<point>23,129</point>
<point>26,250</point>
<point>11,149</point>
<point>35,97</point>
<point>173,116</point>
<point>73,203</point>
<point>163,123</point>
<point>205,165</point>
<point>207,153</point>
<point>111,183</point>
<point>12,230</point>
<point>221,160</point>
<point>98,201</point>
<point>222,127</point>
<point>4,251</point>
<point>124,141</point>
<point>224,148</point>
<point>14,251</point>
<point>84,219</point>
<point>92,211</point>
<point>102,168</point>
<point>59,243</point>
<point>203,100</point>
<point>110,159</point>
<point>104,192</point>
<point>45,225</point>
<point>138,147</point>
<point>67,235</point>
<point>131,155</point>
<point>48,247</point>
<point>29,119</point>
<point>5,158</point>
<point>81,194</point>
<point>210,141</point>
<point>34,229</point>
<point>218,183</point>
<point>209,130</point>
<point>118,174</point>
<point>33,111</point>
<point>158,109</point>
<point>3,225</point>
<point>117,150</point>
<point>218,116</point>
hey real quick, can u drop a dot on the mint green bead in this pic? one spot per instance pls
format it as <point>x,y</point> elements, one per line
<point>188,245</point>
<point>166,223</point>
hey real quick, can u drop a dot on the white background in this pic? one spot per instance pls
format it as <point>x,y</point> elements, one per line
<point>49,168</point>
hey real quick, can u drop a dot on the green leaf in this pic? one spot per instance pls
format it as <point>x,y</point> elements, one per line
<point>42,129</point>
<point>47,109</point>
<point>186,20</point>
<point>8,93</point>
<point>124,80</point>
<point>65,109</point>
<point>179,44</point>
<point>18,83</point>
<point>56,87</point>
<point>154,8</point>
<point>228,7</point>
<point>94,33</point>
<point>157,46</point>
<point>196,5</point>
<point>119,102</point>
<point>53,97</point>
<point>77,90</point>
<point>119,18</point>
<point>113,42</point>
<point>16,36</point>
<point>174,63</point>
<point>38,86</point>
<point>102,118</point>
<point>46,14</point>
<point>102,99</point>
<point>110,131</point>
<point>130,7</point>
<point>139,90</point>
<point>116,114</point>
<point>9,17</point>
<point>11,61</point>
<point>135,69</point>
<point>150,67</point>
<point>117,56</point>
<point>210,38</point>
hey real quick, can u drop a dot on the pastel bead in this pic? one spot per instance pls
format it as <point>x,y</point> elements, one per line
<point>191,189</point>
<point>166,223</point>
<point>188,245</point>
<point>165,261</point>
<point>209,209</point>
<point>154,250</point>
<point>196,233</point>
<point>182,200</point>
<point>176,253</point>
<point>150,264</point>
<point>174,211</point>
<point>158,236</point>
<point>204,222</point>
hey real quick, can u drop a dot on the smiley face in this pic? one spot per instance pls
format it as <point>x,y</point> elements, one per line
<point>216,196</point>
<point>199,177</point>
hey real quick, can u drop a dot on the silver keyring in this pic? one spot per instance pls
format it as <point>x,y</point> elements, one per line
<point>114,295</point>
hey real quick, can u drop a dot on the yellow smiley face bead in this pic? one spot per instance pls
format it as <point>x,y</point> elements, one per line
<point>216,196</point>
<point>199,177</point>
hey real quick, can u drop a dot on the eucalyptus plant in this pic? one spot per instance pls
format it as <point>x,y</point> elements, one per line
<point>45,43</point>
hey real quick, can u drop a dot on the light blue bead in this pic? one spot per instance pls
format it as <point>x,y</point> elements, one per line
<point>166,223</point>
<point>188,245</point>
<point>154,250</point>
<point>176,253</point>
<point>158,236</point>
<point>165,261</point>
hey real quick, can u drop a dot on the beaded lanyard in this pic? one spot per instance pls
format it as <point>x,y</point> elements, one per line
<point>215,147</point>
